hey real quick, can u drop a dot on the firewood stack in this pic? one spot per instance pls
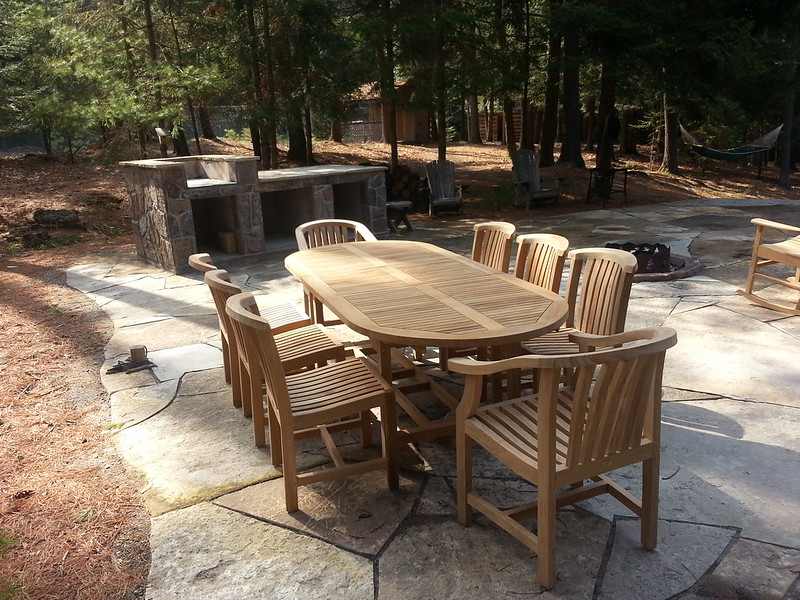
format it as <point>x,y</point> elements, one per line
<point>404,184</point>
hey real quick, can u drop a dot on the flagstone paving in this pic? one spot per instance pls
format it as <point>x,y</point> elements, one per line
<point>730,492</point>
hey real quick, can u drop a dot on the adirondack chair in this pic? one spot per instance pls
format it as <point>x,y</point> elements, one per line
<point>442,185</point>
<point>528,182</point>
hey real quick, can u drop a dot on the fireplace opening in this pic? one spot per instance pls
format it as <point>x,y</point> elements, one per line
<point>215,224</point>
<point>657,263</point>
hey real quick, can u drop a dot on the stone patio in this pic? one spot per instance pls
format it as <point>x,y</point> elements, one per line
<point>730,490</point>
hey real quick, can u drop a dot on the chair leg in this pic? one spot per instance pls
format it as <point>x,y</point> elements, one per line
<point>389,443</point>
<point>366,428</point>
<point>257,410</point>
<point>289,472</point>
<point>275,447</point>
<point>649,516</point>
<point>464,476</point>
<point>226,360</point>
<point>238,385</point>
<point>546,535</point>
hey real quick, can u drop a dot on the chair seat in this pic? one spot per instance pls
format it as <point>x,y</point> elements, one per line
<point>786,252</point>
<point>554,342</point>
<point>306,346</point>
<point>338,390</point>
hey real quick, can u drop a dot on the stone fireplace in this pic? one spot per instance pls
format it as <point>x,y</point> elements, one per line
<point>181,205</point>
<point>217,203</point>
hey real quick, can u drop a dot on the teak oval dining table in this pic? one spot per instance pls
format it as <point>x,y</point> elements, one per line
<point>404,293</point>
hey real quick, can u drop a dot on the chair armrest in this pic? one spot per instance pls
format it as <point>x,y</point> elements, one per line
<point>775,225</point>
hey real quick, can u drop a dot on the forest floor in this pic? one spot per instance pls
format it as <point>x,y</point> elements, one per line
<point>72,524</point>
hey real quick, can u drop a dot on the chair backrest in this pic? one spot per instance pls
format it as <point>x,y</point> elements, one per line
<point>492,243</point>
<point>525,168</point>
<point>540,259</point>
<point>614,400</point>
<point>598,289</point>
<point>219,282</point>
<point>441,178</point>
<point>258,340</point>
<point>326,232</point>
<point>201,262</point>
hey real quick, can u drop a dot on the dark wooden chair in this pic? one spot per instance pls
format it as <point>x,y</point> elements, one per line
<point>528,182</point>
<point>444,195</point>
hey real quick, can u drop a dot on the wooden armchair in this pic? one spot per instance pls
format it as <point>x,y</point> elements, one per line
<point>541,258</point>
<point>609,417</point>
<point>317,402</point>
<point>598,290</point>
<point>528,182</point>
<point>326,232</point>
<point>442,186</point>
<point>786,252</point>
<point>299,348</point>
<point>492,243</point>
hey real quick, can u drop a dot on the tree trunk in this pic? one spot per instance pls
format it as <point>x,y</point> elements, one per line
<point>551,92</point>
<point>268,125</point>
<point>440,83</point>
<point>608,92</point>
<point>336,131</point>
<point>670,163</point>
<point>511,133</point>
<point>627,135</point>
<point>205,122</point>
<point>153,54</point>
<point>474,120</point>
<point>590,122</point>
<point>297,138</point>
<point>786,148</point>
<point>309,136</point>
<point>573,120</point>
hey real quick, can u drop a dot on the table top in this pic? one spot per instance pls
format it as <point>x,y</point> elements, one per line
<point>407,293</point>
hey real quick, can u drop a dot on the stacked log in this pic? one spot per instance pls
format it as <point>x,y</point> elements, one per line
<point>404,184</point>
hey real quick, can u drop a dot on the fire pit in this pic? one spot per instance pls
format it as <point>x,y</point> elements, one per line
<point>657,263</point>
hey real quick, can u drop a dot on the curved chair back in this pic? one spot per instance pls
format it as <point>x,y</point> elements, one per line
<point>491,245</point>
<point>201,262</point>
<point>598,289</point>
<point>540,259</point>
<point>326,232</point>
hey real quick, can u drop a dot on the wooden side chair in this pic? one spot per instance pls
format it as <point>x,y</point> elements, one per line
<point>317,402</point>
<point>444,195</point>
<point>785,252</point>
<point>326,232</point>
<point>491,246</point>
<point>598,290</point>
<point>528,182</point>
<point>299,348</point>
<point>541,258</point>
<point>492,243</point>
<point>283,317</point>
<point>562,436</point>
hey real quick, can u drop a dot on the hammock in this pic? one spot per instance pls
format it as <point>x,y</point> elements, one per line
<point>762,144</point>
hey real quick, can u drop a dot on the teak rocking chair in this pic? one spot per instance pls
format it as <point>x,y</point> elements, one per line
<point>786,252</point>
